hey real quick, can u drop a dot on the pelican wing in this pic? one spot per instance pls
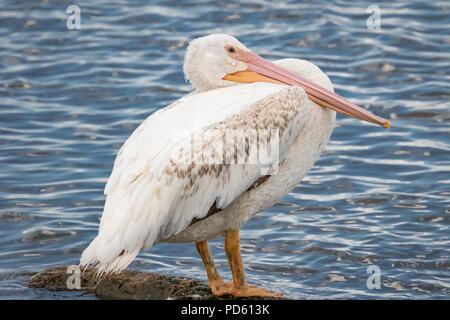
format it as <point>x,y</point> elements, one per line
<point>206,149</point>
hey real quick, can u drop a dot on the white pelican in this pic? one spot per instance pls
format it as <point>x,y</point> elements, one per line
<point>164,186</point>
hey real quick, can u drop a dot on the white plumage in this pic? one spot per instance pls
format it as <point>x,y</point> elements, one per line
<point>155,192</point>
<point>201,167</point>
<point>145,204</point>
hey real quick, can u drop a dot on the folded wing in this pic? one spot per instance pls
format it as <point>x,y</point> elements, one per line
<point>204,150</point>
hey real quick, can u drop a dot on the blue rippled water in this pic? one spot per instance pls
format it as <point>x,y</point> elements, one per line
<point>70,98</point>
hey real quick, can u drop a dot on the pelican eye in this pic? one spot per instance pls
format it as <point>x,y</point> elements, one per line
<point>231,50</point>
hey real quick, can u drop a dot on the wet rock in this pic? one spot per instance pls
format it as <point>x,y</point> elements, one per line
<point>130,284</point>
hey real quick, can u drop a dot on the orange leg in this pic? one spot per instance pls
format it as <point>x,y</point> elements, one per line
<point>240,286</point>
<point>216,283</point>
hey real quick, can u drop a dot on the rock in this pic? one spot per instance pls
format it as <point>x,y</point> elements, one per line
<point>129,284</point>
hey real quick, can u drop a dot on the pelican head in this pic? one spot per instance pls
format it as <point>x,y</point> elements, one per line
<point>220,60</point>
<point>207,61</point>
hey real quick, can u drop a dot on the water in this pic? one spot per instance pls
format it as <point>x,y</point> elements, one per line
<point>70,98</point>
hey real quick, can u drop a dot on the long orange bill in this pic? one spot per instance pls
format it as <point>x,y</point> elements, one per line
<point>261,70</point>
